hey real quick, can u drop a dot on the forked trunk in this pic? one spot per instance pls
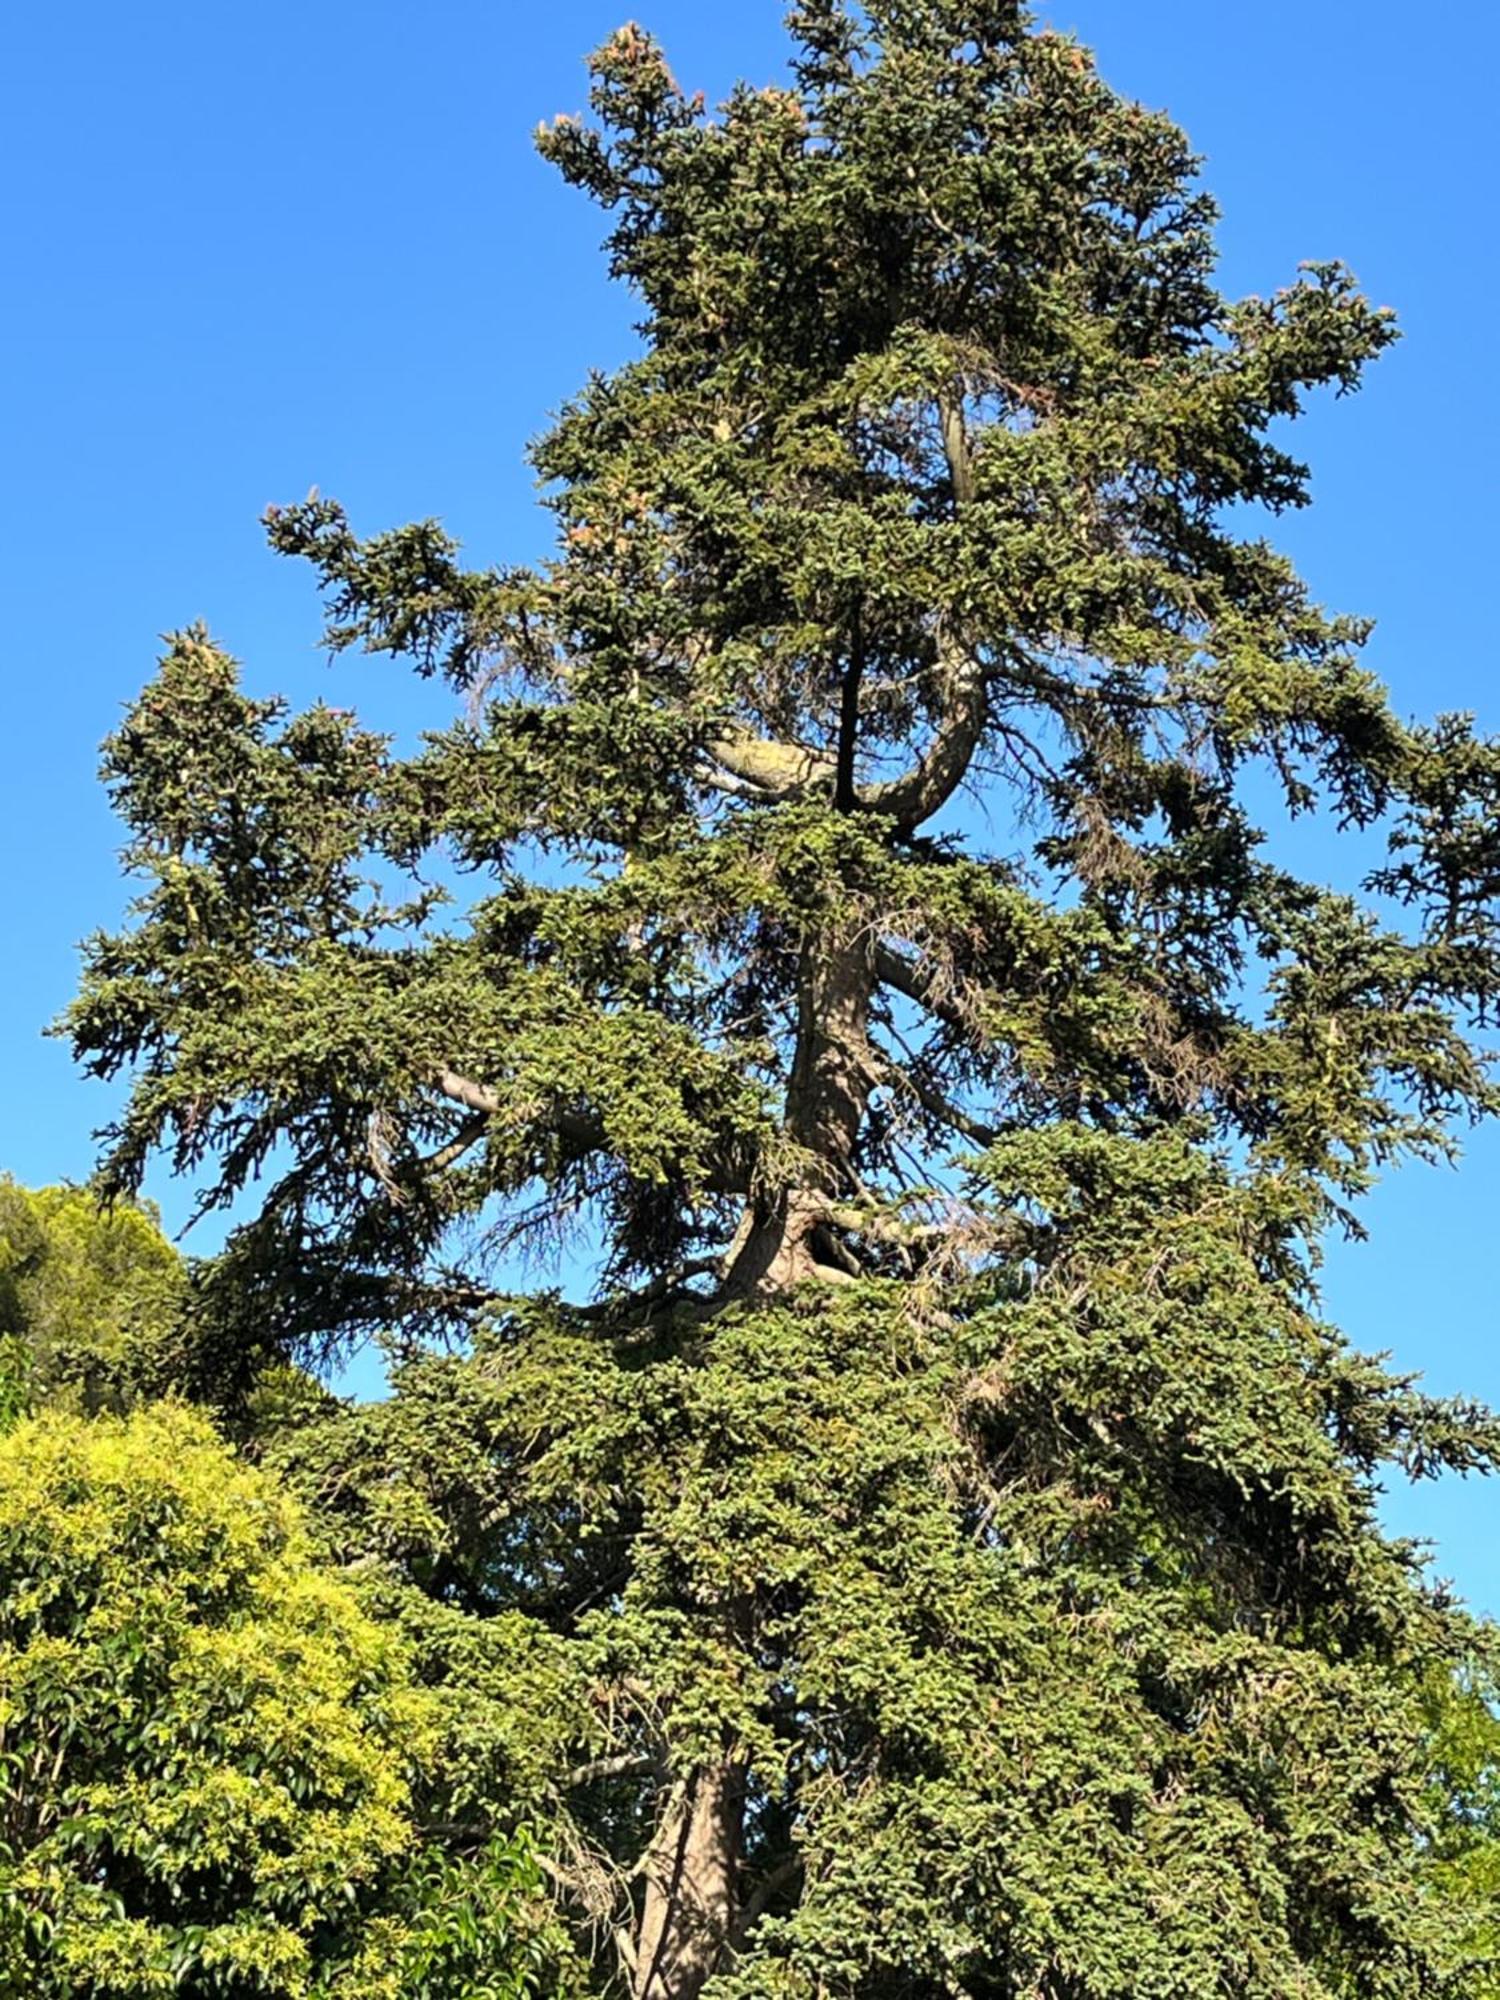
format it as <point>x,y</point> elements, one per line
<point>689,1909</point>
<point>828,1092</point>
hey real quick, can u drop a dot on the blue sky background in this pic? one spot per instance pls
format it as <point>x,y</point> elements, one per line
<point>251,248</point>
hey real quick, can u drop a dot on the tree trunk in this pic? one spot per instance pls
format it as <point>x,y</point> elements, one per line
<point>831,1074</point>
<point>828,1091</point>
<point>688,1913</point>
<point>692,1867</point>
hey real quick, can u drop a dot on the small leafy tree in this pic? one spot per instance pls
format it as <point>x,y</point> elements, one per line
<point>207,1746</point>
<point>215,1761</point>
<point>943,1559</point>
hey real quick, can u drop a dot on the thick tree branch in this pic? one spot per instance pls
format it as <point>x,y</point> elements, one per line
<point>923,790</point>
<point>618,1305</point>
<point>580,1128</point>
<point>779,770</point>
<point>474,1096</point>
<point>962,691</point>
<point>785,771</point>
<point>939,1108</point>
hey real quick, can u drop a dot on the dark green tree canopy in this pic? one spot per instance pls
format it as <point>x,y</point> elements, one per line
<point>952,1520</point>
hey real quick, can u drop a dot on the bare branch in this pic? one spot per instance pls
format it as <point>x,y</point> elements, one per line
<point>474,1096</point>
<point>779,770</point>
<point>938,1107</point>
<point>615,1305</point>
<point>580,1128</point>
<point>784,771</point>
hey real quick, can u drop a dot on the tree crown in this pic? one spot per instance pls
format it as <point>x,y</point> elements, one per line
<point>958,1190</point>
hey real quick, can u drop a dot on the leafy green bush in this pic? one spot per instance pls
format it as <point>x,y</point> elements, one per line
<point>206,1743</point>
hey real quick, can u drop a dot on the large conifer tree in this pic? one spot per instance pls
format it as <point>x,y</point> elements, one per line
<point>942,1558</point>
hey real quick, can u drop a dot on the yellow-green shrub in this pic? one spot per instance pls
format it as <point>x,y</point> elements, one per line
<point>92,1302</point>
<point>206,1744</point>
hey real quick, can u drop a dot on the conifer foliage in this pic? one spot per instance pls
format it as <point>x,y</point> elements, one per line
<point>942,1558</point>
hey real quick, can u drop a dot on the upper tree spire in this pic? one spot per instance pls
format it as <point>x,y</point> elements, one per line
<point>922,480</point>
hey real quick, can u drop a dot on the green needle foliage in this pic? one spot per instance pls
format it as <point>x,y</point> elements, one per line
<point>942,1558</point>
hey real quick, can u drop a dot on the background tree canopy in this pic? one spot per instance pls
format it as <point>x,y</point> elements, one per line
<point>91,1302</point>
<point>942,1557</point>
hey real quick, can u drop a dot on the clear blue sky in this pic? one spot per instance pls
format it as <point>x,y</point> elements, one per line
<point>256,247</point>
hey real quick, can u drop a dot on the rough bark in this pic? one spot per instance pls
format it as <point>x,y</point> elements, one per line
<point>833,1072</point>
<point>688,1910</point>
